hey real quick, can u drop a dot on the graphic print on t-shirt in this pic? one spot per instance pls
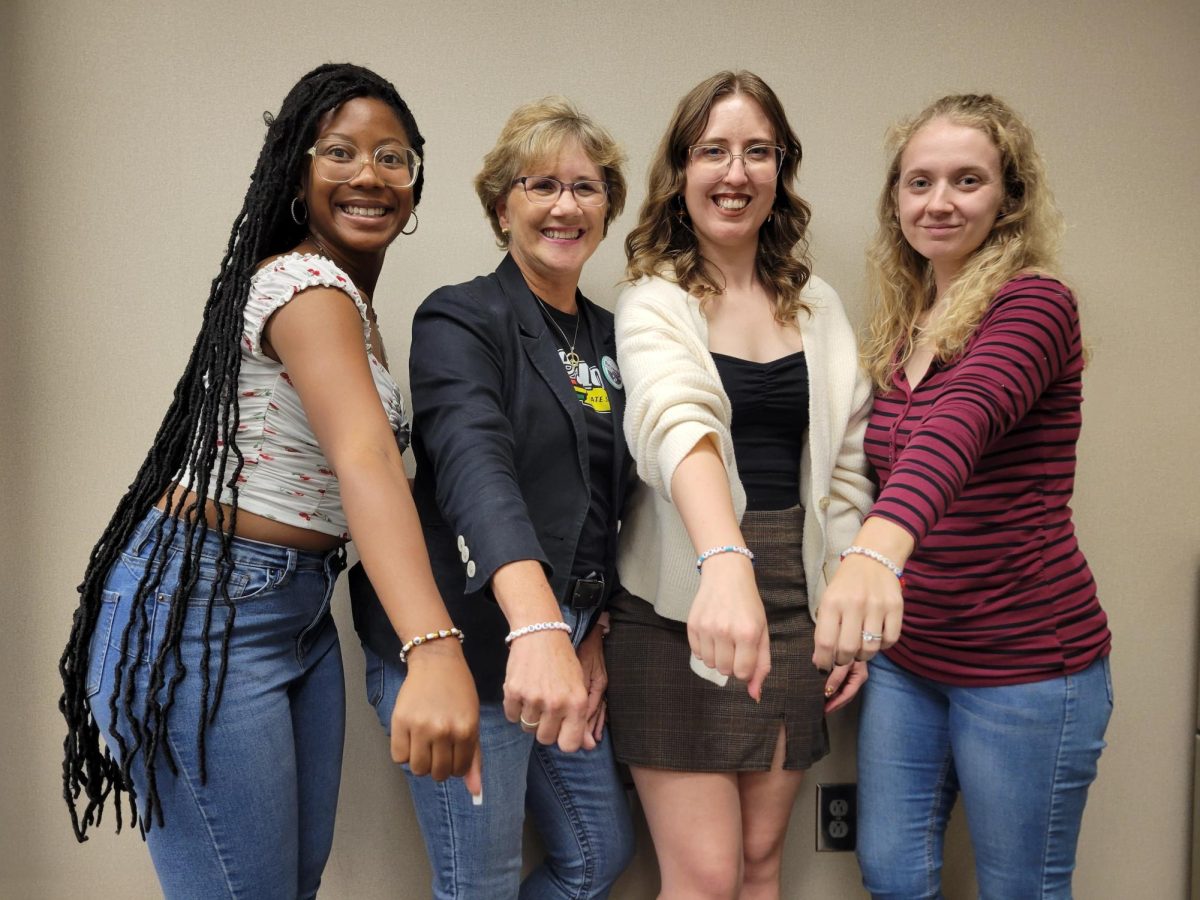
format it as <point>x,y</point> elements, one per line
<point>585,379</point>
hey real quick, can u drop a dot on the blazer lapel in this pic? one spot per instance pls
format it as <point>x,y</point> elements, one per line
<point>606,338</point>
<point>542,353</point>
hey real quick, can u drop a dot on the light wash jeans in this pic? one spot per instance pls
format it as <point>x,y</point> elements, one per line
<point>1023,757</point>
<point>576,802</point>
<point>261,826</point>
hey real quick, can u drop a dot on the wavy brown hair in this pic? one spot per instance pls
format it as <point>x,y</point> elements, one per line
<point>663,244</point>
<point>1024,238</point>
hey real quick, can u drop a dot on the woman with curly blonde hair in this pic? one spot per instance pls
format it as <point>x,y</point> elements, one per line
<point>1000,677</point>
<point>745,413</point>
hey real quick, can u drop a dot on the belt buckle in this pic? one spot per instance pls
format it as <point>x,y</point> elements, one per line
<point>587,593</point>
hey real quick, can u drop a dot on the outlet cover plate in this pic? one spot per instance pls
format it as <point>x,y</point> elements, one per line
<point>837,817</point>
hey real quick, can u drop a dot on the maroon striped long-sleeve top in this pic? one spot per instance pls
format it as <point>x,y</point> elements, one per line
<point>978,464</point>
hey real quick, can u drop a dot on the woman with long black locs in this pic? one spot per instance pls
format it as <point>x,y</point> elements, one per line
<point>202,677</point>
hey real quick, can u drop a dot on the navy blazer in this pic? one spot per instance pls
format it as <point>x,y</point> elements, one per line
<point>502,465</point>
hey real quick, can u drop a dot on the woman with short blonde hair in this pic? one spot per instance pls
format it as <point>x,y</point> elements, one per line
<point>521,471</point>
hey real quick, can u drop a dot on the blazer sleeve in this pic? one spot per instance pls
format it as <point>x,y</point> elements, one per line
<point>1027,339</point>
<point>457,369</point>
<point>672,400</point>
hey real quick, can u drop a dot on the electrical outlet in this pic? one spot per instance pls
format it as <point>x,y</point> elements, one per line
<point>837,816</point>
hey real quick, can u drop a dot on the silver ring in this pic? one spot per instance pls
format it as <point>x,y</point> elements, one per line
<point>870,637</point>
<point>529,726</point>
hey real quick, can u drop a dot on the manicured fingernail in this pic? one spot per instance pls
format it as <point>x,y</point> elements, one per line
<point>477,799</point>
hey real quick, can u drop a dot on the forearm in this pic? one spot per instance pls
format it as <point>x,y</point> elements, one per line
<point>524,594</point>
<point>887,538</point>
<point>700,489</point>
<point>387,533</point>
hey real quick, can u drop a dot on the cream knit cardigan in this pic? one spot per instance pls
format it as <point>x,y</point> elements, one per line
<point>674,398</point>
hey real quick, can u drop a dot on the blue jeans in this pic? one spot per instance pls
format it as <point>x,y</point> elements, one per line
<point>576,802</point>
<point>261,826</point>
<point>1023,756</point>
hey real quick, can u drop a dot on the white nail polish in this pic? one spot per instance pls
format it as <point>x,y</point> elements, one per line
<point>477,799</point>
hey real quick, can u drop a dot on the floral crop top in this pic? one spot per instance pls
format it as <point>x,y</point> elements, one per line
<point>285,475</point>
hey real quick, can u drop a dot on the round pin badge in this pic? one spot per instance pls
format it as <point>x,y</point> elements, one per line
<point>611,372</point>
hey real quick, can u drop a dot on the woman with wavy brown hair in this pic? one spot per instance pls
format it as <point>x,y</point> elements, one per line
<point>745,414</point>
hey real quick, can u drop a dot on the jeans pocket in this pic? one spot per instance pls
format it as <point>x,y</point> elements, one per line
<point>375,675</point>
<point>98,645</point>
<point>1108,684</point>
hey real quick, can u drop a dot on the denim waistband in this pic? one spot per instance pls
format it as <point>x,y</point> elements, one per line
<point>241,550</point>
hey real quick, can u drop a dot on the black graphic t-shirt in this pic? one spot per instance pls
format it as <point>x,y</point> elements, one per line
<point>593,380</point>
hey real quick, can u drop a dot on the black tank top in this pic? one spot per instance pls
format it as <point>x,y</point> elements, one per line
<point>770,421</point>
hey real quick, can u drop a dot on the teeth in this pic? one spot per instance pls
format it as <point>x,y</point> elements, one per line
<point>559,235</point>
<point>732,202</point>
<point>365,210</point>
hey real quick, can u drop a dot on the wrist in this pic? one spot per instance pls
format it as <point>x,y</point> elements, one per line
<point>434,653</point>
<point>548,627</point>
<point>724,555</point>
<point>429,637</point>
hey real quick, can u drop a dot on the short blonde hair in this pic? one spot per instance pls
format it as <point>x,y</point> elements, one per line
<point>538,131</point>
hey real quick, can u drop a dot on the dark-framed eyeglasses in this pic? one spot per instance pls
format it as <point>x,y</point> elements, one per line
<point>712,162</point>
<point>545,191</point>
<point>339,161</point>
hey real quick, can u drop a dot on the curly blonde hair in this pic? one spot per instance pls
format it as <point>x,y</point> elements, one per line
<point>538,131</point>
<point>1025,237</point>
<point>662,244</point>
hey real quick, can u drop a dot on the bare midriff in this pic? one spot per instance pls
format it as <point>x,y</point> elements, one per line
<point>254,527</point>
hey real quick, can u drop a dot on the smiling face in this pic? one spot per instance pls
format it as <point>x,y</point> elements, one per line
<point>949,194</point>
<point>727,213</point>
<point>551,242</point>
<point>358,219</point>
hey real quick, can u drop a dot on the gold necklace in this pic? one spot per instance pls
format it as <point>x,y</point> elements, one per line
<point>572,361</point>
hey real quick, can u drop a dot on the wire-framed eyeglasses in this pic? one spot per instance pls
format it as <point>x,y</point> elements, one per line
<point>544,190</point>
<point>762,162</point>
<point>339,161</point>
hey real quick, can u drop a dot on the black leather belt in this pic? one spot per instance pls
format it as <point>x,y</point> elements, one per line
<point>585,593</point>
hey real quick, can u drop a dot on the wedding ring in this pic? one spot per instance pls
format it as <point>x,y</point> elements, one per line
<point>870,636</point>
<point>529,726</point>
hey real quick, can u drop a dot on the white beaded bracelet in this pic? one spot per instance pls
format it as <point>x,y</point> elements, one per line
<point>878,557</point>
<point>537,626</point>
<point>426,638</point>
<point>728,548</point>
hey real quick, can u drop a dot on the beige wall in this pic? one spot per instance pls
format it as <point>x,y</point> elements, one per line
<point>129,132</point>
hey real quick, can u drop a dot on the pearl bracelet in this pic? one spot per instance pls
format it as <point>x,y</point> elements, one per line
<point>537,626</point>
<point>878,557</point>
<point>728,548</point>
<point>425,638</point>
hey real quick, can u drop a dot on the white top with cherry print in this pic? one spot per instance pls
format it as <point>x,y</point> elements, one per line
<point>285,475</point>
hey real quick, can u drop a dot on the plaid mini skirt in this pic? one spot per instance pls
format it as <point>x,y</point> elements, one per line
<point>663,716</point>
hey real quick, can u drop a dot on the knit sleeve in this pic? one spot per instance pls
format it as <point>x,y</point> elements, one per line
<point>1028,338</point>
<point>674,396</point>
<point>282,279</point>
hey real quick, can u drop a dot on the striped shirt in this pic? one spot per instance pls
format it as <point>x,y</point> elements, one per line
<point>977,463</point>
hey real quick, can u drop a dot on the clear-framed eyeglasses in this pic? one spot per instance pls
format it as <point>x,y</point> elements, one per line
<point>339,161</point>
<point>711,162</point>
<point>545,191</point>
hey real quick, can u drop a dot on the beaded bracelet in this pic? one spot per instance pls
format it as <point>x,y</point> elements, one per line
<point>728,548</point>
<point>425,638</point>
<point>878,557</point>
<point>537,626</point>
